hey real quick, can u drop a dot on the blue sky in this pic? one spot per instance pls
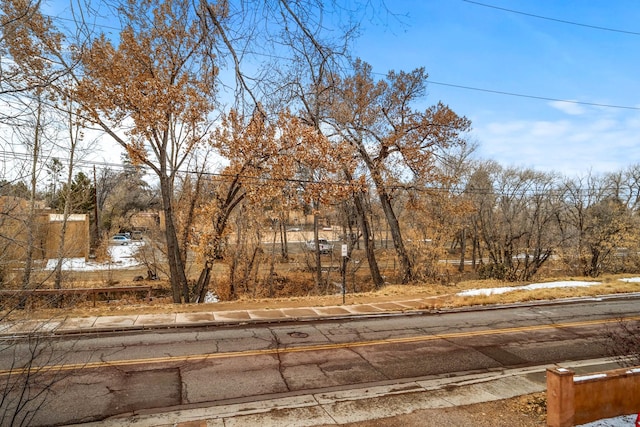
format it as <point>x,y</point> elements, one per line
<point>464,43</point>
<point>467,44</point>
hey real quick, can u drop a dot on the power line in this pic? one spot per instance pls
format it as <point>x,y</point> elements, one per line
<point>562,21</point>
<point>478,89</point>
<point>544,98</point>
<point>261,181</point>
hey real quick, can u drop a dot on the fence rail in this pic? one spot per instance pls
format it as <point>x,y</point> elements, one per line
<point>26,293</point>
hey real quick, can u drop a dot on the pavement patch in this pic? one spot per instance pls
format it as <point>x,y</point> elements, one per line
<point>155,319</point>
<point>232,315</point>
<point>388,306</point>
<point>364,308</point>
<point>332,311</point>
<point>182,318</point>
<point>265,314</point>
<point>146,389</point>
<point>74,323</point>
<point>117,321</point>
<point>413,304</point>
<point>31,327</point>
<point>299,312</point>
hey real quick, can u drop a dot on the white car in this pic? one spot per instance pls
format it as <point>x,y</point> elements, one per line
<point>119,240</point>
<point>323,245</point>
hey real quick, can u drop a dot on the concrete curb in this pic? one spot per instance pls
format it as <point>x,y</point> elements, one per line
<point>235,318</point>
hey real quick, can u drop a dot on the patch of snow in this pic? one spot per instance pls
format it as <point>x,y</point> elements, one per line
<point>634,371</point>
<point>588,377</point>
<point>211,297</point>
<point>631,280</point>
<point>624,421</point>
<point>122,257</point>
<point>531,287</point>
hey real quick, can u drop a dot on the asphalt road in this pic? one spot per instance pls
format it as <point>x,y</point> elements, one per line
<point>102,375</point>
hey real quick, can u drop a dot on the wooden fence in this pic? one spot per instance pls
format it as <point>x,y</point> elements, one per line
<point>23,295</point>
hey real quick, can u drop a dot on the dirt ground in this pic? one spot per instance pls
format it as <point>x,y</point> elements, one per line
<point>522,411</point>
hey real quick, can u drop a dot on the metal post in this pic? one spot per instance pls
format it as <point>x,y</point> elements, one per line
<point>344,272</point>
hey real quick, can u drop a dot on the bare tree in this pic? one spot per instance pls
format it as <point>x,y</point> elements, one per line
<point>609,227</point>
<point>122,194</point>
<point>456,166</point>
<point>363,214</point>
<point>597,223</point>
<point>625,186</point>
<point>159,81</point>
<point>516,219</point>
<point>26,39</point>
<point>391,138</point>
<point>264,157</point>
<point>74,146</point>
<point>35,147</point>
<point>480,192</point>
<point>28,74</point>
<point>158,84</point>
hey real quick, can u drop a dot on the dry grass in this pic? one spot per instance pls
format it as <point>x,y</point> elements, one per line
<point>609,285</point>
<point>435,296</point>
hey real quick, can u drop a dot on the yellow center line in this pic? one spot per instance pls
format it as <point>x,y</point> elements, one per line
<point>316,347</point>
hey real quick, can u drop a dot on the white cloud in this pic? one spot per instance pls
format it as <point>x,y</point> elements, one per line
<point>549,129</point>
<point>568,107</point>
<point>598,141</point>
<point>507,128</point>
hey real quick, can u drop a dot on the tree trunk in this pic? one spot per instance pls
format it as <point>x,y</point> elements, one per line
<point>475,253</point>
<point>363,221</point>
<point>369,247</point>
<point>284,244</point>
<point>31,224</point>
<point>57,283</point>
<point>189,218</point>
<point>178,278</point>
<point>594,264</point>
<point>67,209</point>
<point>406,272</point>
<point>318,259</point>
<point>202,286</point>
<point>96,218</point>
<point>272,266</point>
<point>463,247</point>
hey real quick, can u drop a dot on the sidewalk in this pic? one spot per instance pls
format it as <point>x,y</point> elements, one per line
<point>204,318</point>
<point>130,322</point>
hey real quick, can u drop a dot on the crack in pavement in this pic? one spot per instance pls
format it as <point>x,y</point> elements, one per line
<point>281,368</point>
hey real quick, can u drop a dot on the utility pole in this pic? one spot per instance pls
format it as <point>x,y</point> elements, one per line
<point>344,272</point>
<point>95,206</point>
